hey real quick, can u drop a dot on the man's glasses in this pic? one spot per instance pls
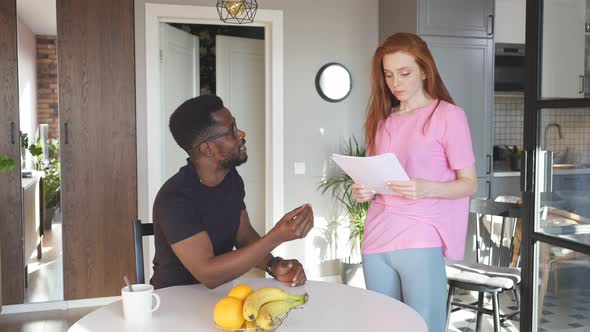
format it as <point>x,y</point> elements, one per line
<point>233,131</point>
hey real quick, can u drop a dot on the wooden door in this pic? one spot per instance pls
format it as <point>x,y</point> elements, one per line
<point>96,73</point>
<point>11,245</point>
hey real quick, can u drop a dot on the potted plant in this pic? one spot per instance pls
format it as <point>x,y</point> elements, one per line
<point>35,150</point>
<point>52,182</point>
<point>339,187</point>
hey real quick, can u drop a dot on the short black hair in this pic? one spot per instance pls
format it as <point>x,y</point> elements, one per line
<point>192,120</point>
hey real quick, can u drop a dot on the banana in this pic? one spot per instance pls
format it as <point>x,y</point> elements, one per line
<point>250,326</point>
<point>273,309</point>
<point>261,296</point>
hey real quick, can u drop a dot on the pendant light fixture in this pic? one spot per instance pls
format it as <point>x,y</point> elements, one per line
<point>237,11</point>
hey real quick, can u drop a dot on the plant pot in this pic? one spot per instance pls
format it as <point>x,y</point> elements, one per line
<point>48,218</point>
<point>352,274</point>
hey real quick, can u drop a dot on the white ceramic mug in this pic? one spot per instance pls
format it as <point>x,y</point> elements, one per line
<point>138,305</point>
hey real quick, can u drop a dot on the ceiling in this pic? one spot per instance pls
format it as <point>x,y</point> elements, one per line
<point>38,15</point>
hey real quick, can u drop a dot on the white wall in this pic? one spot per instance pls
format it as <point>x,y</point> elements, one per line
<point>27,81</point>
<point>315,32</point>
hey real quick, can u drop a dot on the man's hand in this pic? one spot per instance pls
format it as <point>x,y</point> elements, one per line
<point>295,224</point>
<point>289,271</point>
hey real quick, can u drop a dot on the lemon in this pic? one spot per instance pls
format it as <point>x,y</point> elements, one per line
<point>228,313</point>
<point>240,291</point>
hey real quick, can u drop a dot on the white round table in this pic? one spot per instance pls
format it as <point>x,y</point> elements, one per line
<point>331,307</point>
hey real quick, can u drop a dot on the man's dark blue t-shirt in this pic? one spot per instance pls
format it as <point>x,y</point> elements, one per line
<point>184,207</point>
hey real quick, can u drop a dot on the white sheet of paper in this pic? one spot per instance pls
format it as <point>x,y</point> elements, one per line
<point>373,172</point>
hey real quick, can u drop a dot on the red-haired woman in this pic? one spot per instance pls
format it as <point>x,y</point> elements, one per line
<point>408,233</point>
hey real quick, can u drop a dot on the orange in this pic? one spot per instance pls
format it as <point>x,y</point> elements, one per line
<point>240,291</point>
<point>228,313</point>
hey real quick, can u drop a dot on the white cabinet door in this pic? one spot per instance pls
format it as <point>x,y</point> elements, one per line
<point>563,49</point>
<point>510,21</point>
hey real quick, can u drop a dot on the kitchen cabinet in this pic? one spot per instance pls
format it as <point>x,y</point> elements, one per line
<point>464,61</point>
<point>484,188</point>
<point>506,185</point>
<point>457,18</point>
<point>563,49</point>
<point>32,226</point>
<point>11,259</point>
<point>454,18</point>
<point>510,18</point>
<point>465,65</point>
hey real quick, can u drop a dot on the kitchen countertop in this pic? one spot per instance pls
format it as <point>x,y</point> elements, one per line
<point>571,171</point>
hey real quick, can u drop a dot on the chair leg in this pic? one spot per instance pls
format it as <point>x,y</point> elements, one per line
<point>555,278</point>
<point>516,293</point>
<point>496,308</point>
<point>479,313</point>
<point>545,268</point>
<point>449,301</point>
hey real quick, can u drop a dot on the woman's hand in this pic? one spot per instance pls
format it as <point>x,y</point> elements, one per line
<point>362,194</point>
<point>412,189</point>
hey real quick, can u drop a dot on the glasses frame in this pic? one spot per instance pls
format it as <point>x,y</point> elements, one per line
<point>233,131</point>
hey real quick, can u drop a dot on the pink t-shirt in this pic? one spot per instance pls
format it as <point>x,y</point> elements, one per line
<point>394,222</point>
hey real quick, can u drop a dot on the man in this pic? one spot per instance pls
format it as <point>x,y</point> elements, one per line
<point>200,215</point>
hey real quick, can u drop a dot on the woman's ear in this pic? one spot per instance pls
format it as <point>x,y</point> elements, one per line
<point>422,75</point>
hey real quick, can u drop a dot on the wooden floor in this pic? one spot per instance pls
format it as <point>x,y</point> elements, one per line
<point>45,284</point>
<point>43,321</point>
<point>46,274</point>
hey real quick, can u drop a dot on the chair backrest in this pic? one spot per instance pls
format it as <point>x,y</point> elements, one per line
<point>139,231</point>
<point>495,230</point>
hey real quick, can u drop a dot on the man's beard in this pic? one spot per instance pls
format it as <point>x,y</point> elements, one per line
<point>235,159</point>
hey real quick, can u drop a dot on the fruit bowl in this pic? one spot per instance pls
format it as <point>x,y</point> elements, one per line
<point>277,321</point>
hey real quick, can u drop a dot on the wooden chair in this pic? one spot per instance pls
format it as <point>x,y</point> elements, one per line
<point>492,272</point>
<point>139,231</point>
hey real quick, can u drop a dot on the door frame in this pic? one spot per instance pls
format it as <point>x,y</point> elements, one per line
<point>530,179</point>
<point>272,21</point>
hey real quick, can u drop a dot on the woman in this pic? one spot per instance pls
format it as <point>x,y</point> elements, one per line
<point>407,233</point>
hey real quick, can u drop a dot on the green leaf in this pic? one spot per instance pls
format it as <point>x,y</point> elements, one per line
<point>6,164</point>
<point>36,149</point>
<point>339,187</point>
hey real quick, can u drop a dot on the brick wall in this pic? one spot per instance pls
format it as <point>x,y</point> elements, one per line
<point>47,95</point>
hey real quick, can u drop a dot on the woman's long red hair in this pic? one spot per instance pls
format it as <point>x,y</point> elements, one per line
<point>382,100</point>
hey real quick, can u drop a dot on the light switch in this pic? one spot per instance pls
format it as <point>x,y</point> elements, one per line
<point>299,168</point>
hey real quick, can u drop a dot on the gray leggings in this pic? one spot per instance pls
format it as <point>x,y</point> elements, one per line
<point>414,276</point>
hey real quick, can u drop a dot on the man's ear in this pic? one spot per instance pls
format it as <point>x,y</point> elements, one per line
<point>204,149</point>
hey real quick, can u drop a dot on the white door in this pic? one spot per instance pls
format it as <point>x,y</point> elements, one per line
<point>240,83</point>
<point>179,66</point>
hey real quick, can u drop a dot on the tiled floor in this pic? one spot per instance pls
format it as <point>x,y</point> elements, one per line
<point>464,320</point>
<point>569,312</point>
